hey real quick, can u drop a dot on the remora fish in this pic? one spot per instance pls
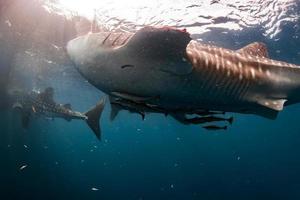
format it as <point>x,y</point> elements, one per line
<point>42,104</point>
<point>184,73</point>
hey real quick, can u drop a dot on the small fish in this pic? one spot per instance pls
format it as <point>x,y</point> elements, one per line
<point>213,127</point>
<point>206,112</point>
<point>94,189</point>
<point>201,120</point>
<point>8,23</point>
<point>22,167</point>
<point>33,109</point>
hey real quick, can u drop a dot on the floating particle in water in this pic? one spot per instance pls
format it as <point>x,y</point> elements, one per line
<point>238,158</point>
<point>139,130</point>
<point>8,146</point>
<point>176,165</point>
<point>94,189</point>
<point>48,61</point>
<point>45,147</point>
<point>172,186</point>
<point>25,146</point>
<point>92,150</point>
<point>95,147</point>
<point>8,23</point>
<point>82,161</point>
<point>22,167</point>
<point>178,138</point>
<point>56,162</point>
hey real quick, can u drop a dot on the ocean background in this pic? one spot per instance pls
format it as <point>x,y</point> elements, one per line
<point>158,158</point>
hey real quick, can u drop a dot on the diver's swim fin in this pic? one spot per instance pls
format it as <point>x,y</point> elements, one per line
<point>93,118</point>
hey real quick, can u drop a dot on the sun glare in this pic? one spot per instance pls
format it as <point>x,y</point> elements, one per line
<point>88,7</point>
<point>83,7</point>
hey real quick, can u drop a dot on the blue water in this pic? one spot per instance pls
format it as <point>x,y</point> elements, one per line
<point>158,158</point>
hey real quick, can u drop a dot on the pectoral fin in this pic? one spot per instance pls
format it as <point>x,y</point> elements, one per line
<point>115,109</point>
<point>274,104</point>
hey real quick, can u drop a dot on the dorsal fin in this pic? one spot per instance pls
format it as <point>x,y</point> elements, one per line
<point>255,49</point>
<point>159,42</point>
<point>47,95</point>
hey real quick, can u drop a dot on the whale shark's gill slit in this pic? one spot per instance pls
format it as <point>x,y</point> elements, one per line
<point>232,80</point>
<point>208,72</point>
<point>125,41</point>
<point>213,89</point>
<point>244,88</point>
<point>235,87</point>
<point>215,73</point>
<point>103,42</point>
<point>116,39</point>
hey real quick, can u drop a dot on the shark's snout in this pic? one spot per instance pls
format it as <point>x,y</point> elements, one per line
<point>73,49</point>
<point>82,50</point>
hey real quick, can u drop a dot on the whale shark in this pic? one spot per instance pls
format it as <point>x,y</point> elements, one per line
<point>42,104</point>
<point>162,69</point>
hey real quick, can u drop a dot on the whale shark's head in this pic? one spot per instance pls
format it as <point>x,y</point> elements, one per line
<point>83,52</point>
<point>109,61</point>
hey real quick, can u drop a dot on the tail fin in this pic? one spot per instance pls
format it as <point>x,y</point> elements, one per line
<point>93,118</point>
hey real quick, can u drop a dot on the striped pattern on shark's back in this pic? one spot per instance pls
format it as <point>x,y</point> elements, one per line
<point>221,70</point>
<point>232,73</point>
